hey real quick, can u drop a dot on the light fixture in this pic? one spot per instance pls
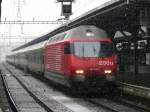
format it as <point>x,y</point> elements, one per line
<point>79,71</point>
<point>108,71</point>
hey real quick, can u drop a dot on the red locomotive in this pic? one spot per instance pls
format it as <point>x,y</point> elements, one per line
<point>82,56</point>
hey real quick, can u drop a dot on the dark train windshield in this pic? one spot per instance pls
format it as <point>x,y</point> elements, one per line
<point>93,49</point>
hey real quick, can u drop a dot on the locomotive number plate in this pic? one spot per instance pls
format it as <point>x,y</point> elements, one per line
<point>105,63</point>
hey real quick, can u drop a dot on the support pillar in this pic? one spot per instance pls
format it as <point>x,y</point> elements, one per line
<point>135,52</point>
<point>135,56</point>
<point>147,21</point>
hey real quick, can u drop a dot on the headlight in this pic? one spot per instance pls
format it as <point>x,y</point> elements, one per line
<point>108,71</point>
<point>79,71</point>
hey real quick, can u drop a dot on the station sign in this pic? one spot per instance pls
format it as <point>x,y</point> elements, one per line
<point>66,9</point>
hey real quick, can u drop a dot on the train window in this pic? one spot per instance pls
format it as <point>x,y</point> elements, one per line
<point>37,57</point>
<point>93,49</point>
<point>67,48</point>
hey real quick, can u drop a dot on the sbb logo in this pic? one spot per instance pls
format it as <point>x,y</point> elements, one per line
<point>105,63</point>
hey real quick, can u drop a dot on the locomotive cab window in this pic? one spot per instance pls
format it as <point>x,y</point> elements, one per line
<point>93,49</point>
<point>68,48</point>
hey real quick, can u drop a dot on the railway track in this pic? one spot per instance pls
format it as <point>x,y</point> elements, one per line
<point>5,103</point>
<point>11,100</point>
<point>136,105</point>
<point>19,99</point>
<point>36,103</point>
<point>71,104</point>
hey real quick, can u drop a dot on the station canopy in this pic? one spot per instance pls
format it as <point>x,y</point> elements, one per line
<point>115,15</point>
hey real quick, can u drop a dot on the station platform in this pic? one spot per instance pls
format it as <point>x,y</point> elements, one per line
<point>140,79</point>
<point>134,84</point>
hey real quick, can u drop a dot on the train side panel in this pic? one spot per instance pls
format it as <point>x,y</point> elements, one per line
<point>35,61</point>
<point>55,62</point>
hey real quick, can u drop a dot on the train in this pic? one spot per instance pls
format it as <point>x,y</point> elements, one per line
<point>80,57</point>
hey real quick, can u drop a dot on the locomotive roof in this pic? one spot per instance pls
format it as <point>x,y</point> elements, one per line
<point>81,31</point>
<point>111,15</point>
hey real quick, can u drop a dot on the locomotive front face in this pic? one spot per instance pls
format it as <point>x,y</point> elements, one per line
<point>93,60</point>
